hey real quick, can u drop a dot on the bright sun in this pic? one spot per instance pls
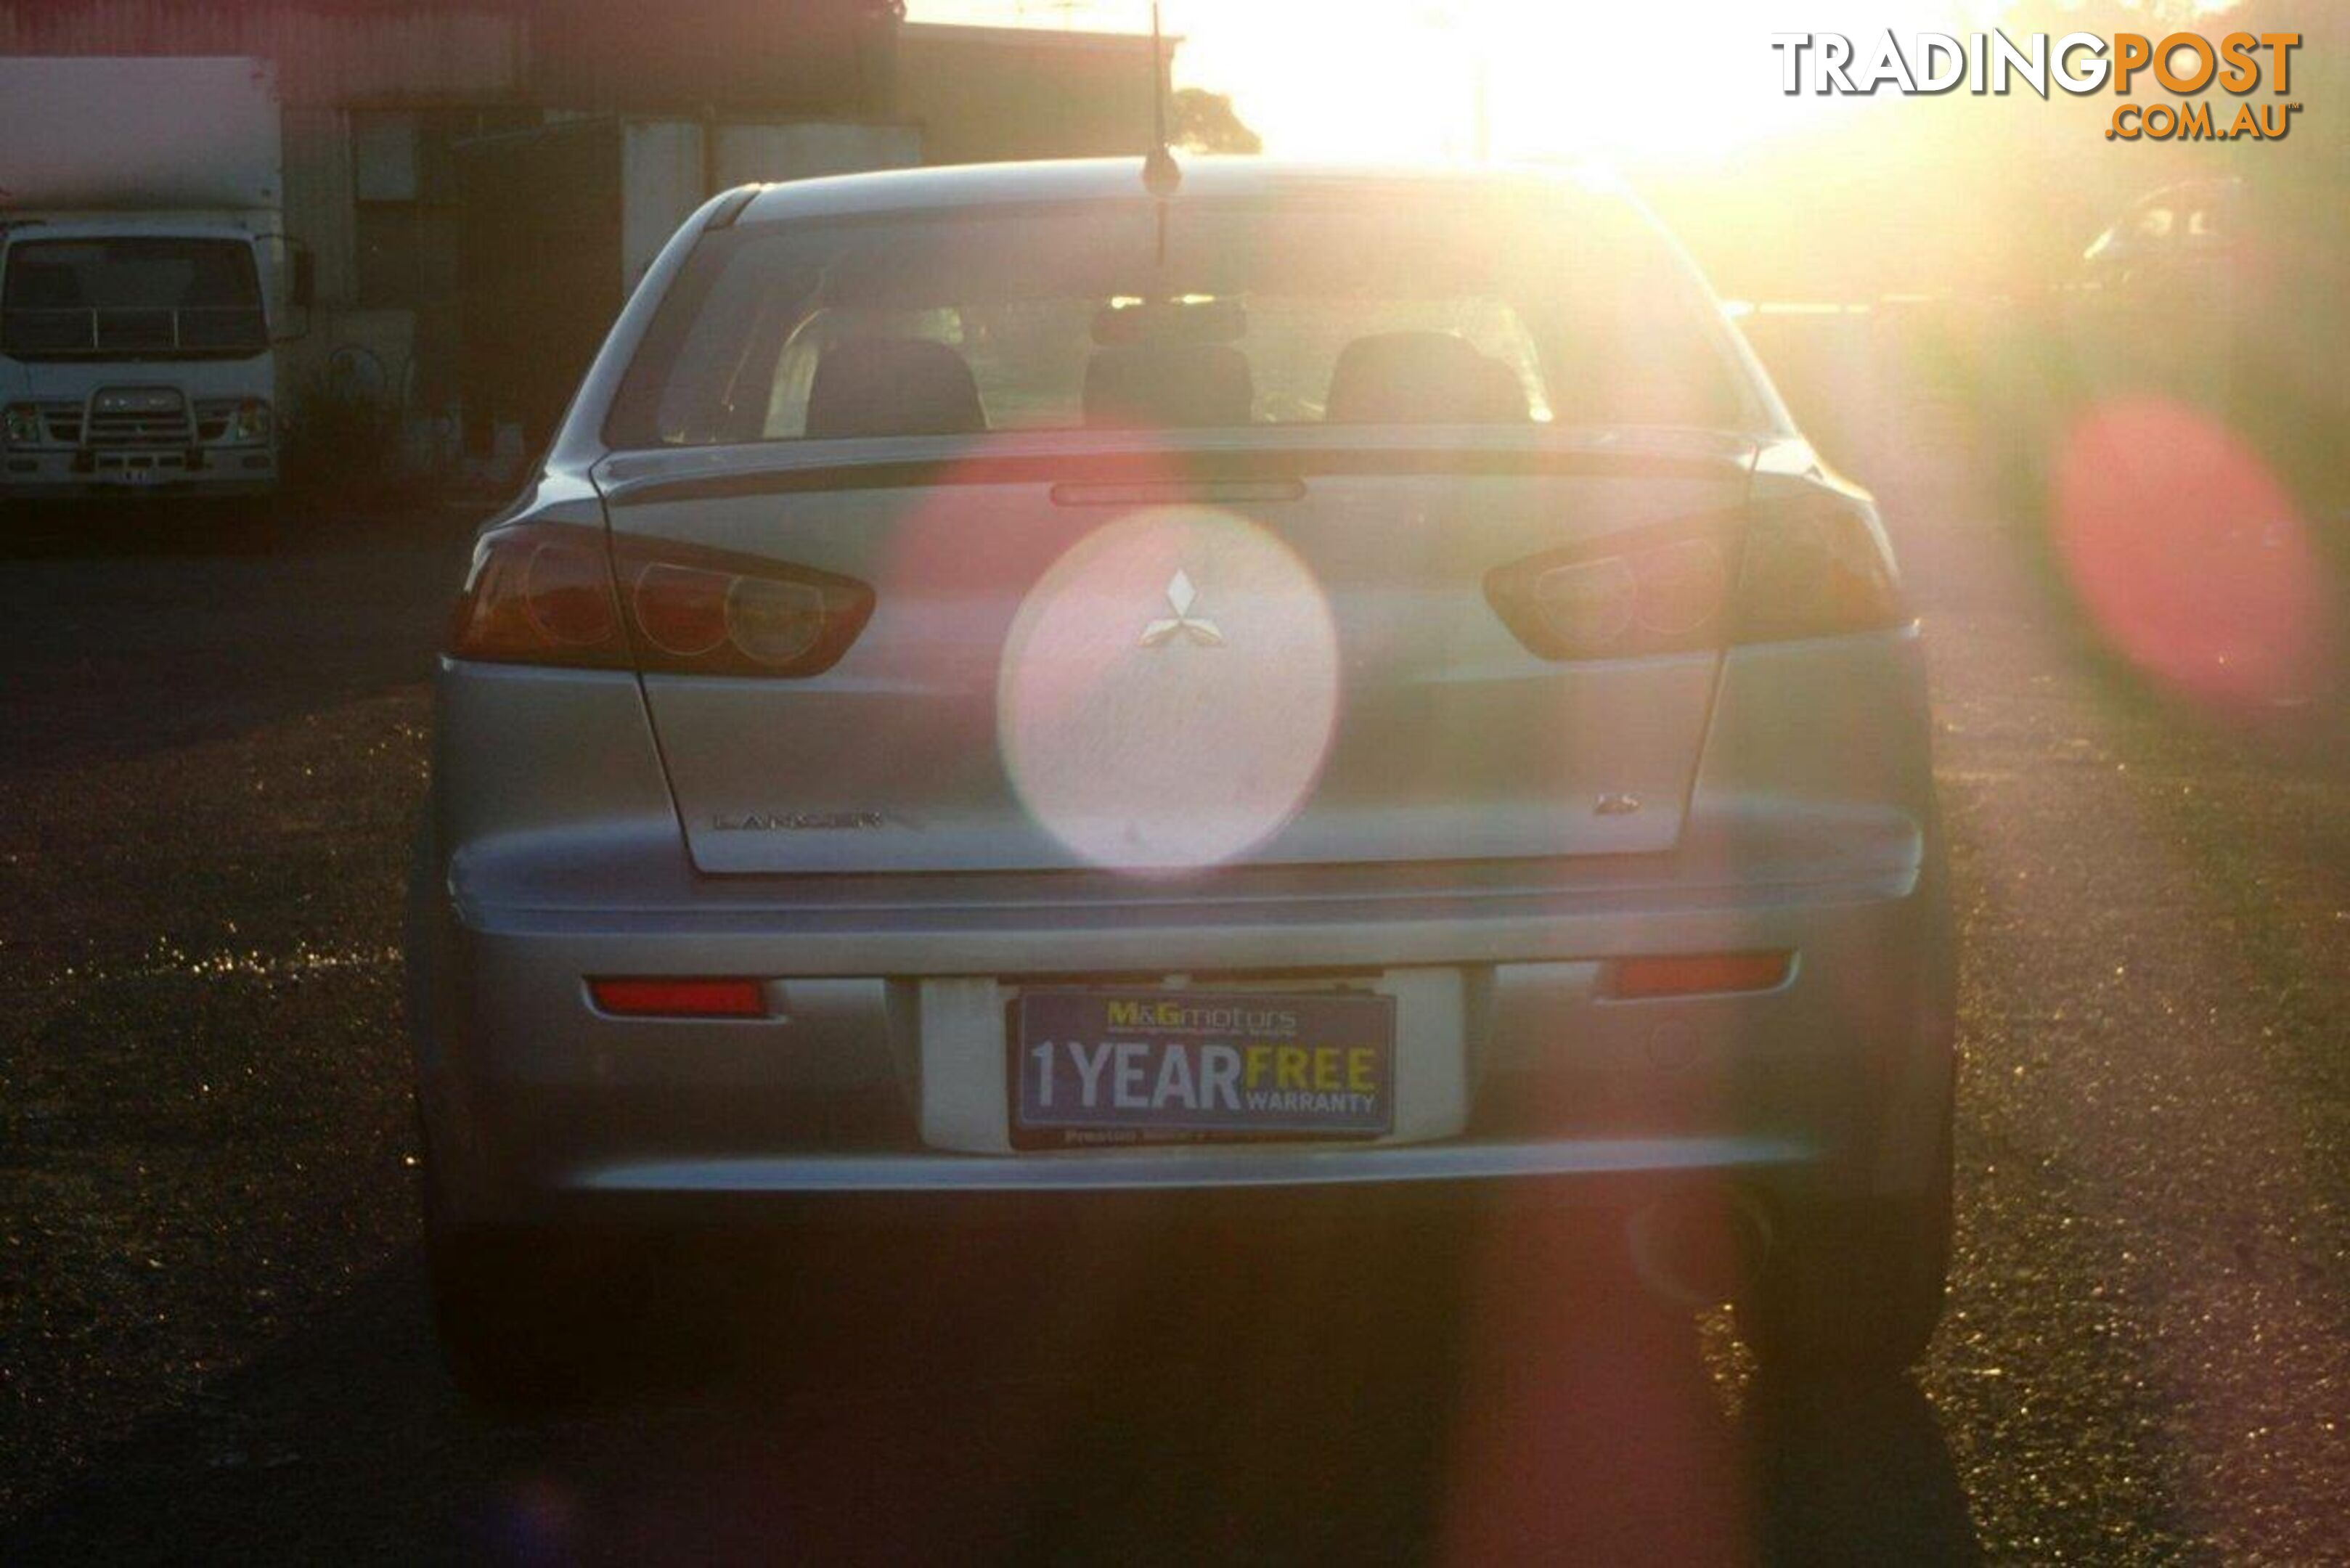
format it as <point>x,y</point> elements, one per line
<point>1680,80</point>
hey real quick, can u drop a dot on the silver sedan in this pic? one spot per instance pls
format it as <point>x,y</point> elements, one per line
<point>1014,688</point>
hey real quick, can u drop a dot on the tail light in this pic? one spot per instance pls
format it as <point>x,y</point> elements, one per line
<point>1813,563</point>
<point>1816,564</point>
<point>548,593</point>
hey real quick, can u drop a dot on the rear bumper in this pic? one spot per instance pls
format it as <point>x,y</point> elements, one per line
<point>880,1080</point>
<point>554,853</point>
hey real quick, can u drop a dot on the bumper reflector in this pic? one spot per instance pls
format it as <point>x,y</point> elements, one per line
<point>668,998</point>
<point>1695,974</point>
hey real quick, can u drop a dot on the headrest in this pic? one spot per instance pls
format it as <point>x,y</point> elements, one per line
<point>892,387</point>
<point>1422,379</point>
<point>1169,384</point>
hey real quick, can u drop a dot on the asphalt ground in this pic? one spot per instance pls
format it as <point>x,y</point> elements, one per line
<point>213,1332</point>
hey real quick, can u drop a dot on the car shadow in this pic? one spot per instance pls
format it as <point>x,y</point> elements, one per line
<point>1858,1474</point>
<point>1139,1401</point>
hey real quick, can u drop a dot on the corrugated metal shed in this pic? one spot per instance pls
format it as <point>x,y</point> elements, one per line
<point>813,58</point>
<point>981,94</point>
<point>326,54</point>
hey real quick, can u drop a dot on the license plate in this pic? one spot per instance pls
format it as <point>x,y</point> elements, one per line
<point>1184,1066</point>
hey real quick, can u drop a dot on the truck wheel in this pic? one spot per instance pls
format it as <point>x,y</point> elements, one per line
<point>1855,1291</point>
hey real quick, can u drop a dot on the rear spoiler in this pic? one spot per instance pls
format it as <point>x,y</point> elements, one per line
<point>1130,474</point>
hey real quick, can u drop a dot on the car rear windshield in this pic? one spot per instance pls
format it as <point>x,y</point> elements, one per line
<point>1219,314</point>
<point>145,296</point>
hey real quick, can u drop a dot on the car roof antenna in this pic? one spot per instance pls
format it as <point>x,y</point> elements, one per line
<point>1160,173</point>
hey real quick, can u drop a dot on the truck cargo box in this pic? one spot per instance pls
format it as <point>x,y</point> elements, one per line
<point>88,133</point>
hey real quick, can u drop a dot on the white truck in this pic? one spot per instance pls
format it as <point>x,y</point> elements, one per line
<point>145,277</point>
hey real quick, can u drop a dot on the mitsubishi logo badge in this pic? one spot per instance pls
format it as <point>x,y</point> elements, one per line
<point>1196,628</point>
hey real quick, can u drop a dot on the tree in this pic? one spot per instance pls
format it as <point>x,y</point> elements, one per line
<point>1203,121</point>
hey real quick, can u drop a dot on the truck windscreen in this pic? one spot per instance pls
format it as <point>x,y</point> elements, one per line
<point>131,297</point>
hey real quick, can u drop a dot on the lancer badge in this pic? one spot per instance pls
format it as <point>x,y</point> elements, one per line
<point>1197,628</point>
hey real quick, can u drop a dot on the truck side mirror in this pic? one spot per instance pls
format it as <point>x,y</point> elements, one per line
<point>301,287</point>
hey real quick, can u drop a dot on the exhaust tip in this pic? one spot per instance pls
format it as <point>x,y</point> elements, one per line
<point>1700,1249</point>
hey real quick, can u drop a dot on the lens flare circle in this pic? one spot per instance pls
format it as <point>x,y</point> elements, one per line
<point>1168,690</point>
<point>2191,556</point>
